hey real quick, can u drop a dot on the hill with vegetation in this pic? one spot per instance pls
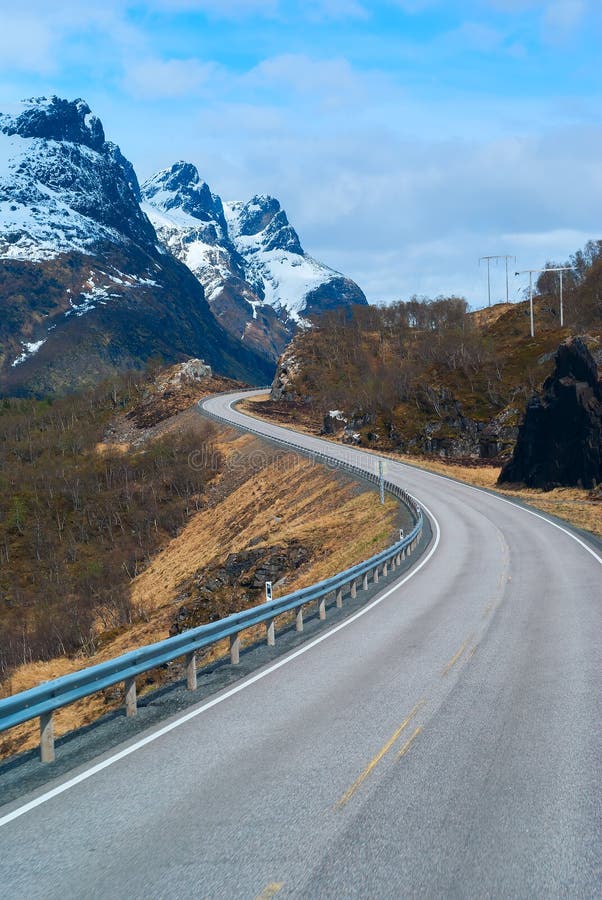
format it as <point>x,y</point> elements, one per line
<point>431,376</point>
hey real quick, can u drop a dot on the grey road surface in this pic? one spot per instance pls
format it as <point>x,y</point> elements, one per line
<point>444,743</point>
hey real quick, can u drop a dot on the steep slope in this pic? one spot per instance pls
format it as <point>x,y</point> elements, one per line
<point>257,278</point>
<point>85,287</point>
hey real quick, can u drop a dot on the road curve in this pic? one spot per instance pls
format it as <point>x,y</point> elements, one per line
<point>444,743</point>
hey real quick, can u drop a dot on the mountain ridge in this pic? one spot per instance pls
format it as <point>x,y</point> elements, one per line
<point>258,280</point>
<point>87,289</point>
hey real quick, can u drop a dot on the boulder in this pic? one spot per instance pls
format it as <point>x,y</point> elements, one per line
<point>560,439</point>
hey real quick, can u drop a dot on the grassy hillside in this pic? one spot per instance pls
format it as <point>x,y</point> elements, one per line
<point>125,516</point>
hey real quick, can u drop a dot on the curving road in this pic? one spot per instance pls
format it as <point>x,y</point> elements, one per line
<point>443,743</point>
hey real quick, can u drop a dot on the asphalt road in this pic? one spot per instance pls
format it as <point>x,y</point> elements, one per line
<point>445,742</point>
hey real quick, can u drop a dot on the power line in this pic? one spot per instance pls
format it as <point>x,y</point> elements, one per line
<point>560,270</point>
<point>489,258</point>
<point>530,273</point>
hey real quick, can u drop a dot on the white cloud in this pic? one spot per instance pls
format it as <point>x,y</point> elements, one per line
<point>160,78</point>
<point>327,82</point>
<point>563,16</point>
<point>226,9</point>
<point>336,9</point>
<point>35,53</point>
<point>416,6</point>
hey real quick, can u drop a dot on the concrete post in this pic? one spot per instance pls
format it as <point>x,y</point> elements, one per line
<point>271,633</point>
<point>365,582</point>
<point>191,681</point>
<point>235,648</point>
<point>339,598</point>
<point>131,703</point>
<point>322,608</point>
<point>299,619</point>
<point>353,589</point>
<point>375,575</point>
<point>46,738</point>
<point>385,570</point>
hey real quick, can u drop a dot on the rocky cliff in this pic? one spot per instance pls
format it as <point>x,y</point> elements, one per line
<point>560,440</point>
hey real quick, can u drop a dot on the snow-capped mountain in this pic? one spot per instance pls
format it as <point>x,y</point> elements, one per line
<point>86,288</point>
<point>249,259</point>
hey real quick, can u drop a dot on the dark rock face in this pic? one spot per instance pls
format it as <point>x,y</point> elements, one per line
<point>335,293</point>
<point>283,385</point>
<point>189,193</point>
<point>214,593</point>
<point>57,120</point>
<point>560,440</point>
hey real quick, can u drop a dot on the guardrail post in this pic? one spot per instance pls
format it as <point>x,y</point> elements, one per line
<point>46,738</point>
<point>131,703</point>
<point>365,582</point>
<point>191,682</point>
<point>235,648</point>
<point>375,575</point>
<point>339,598</point>
<point>271,633</point>
<point>322,608</point>
<point>385,570</point>
<point>353,589</point>
<point>299,619</point>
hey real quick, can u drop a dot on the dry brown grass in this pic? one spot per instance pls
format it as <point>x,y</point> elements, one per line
<point>571,504</point>
<point>489,314</point>
<point>574,505</point>
<point>290,498</point>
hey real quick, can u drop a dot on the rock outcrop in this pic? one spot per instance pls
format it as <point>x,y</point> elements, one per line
<point>560,440</point>
<point>283,385</point>
<point>217,592</point>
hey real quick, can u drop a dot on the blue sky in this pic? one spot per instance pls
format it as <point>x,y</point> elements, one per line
<point>405,138</point>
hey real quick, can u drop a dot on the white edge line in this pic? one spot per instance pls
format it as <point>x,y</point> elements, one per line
<point>83,776</point>
<point>524,509</point>
<point>470,487</point>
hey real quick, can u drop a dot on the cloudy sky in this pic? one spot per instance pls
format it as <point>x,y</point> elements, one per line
<point>405,138</point>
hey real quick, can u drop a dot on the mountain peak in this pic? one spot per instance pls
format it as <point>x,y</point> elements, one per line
<point>180,175</point>
<point>53,118</point>
<point>181,189</point>
<point>263,220</point>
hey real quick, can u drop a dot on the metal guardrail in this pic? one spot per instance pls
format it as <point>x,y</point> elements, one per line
<point>42,701</point>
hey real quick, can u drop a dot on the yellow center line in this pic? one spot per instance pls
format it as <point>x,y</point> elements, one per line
<point>270,890</point>
<point>371,765</point>
<point>456,656</point>
<point>409,743</point>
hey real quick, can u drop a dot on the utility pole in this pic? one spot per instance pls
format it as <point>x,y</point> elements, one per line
<point>561,270</point>
<point>489,258</point>
<point>530,272</point>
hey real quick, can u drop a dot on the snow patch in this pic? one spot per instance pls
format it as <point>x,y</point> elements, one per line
<point>29,349</point>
